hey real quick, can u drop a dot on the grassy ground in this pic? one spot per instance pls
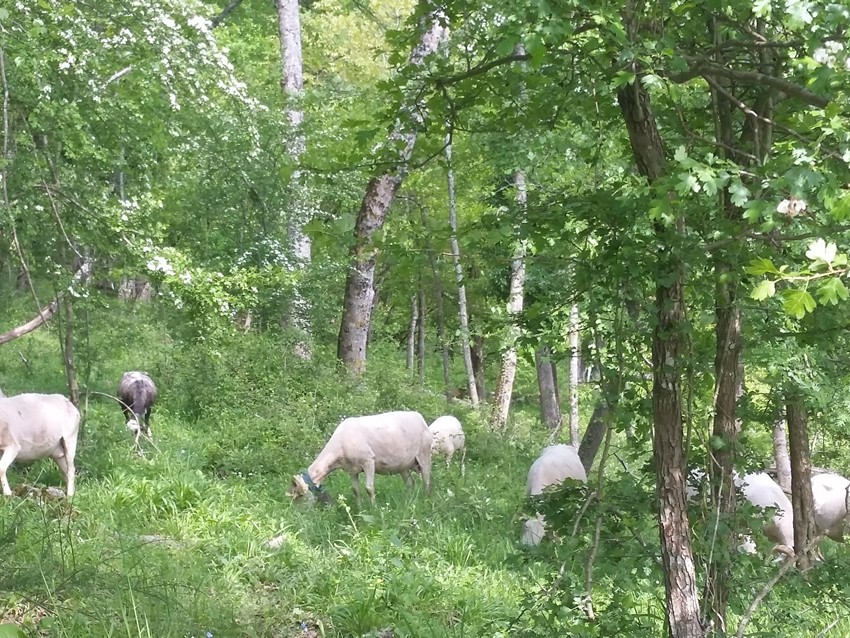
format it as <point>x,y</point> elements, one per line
<point>175,543</point>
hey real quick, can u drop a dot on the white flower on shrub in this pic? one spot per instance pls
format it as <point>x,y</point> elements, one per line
<point>186,277</point>
<point>160,264</point>
<point>791,207</point>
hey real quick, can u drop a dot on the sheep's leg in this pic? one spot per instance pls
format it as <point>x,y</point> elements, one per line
<point>369,470</point>
<point>149,433</point>
<point>425,469</point>
<point>6,460</point>
<point>355,486</point>
<point>408,480</point>
<point>463,462</point>
<point>70,446</point>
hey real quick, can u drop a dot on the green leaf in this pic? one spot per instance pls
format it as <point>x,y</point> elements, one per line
<point>832,291</point>
<point>739,194</point>
<point>11,631</point>
<point>681,154</point>
<point>798,302</point>
<point>761,266</point>
<point>765,288</point>
<point>820,250</point>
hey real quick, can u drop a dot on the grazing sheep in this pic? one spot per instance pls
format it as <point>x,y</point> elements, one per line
<point>448,439</point>
<point>555,463</point>
<point>137,393</point>
<point>762,491</point>
<point>831,494</point>
<point>388,443</point>
<point>35,426</point>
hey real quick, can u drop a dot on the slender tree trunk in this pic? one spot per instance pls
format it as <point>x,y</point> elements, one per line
<point>292,83</point>
<point>420,365</point>
<point>438,298</point>
<point>550,409</point>
<point>507,370</point>
<point>463,314</point>
<point>373,306</point>
<point>575,362</point>
<point>411,330</point>
<point>801,479</point>
<point>725,433</point>
<point>67,343</point>
<point>380,193</point>
<point>683,612</point>
<point>594,434</point>
<point>478,366</point>
<point>780,453</point>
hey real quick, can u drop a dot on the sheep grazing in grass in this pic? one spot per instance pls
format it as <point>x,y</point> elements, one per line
<point>555,464</point>
<point>760,490</point>
<point>831,494</point>
<point>448,439</point>
<point>37,426</point>
<point>137,393</point>
<point>388,443</point>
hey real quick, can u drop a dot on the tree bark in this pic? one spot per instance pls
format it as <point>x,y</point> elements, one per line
<point>292,84</point>
<point>438,298</point>
<point>411,330</point>
<point>594,434</point>
<point>801,479</point>
<point>463,313</point>
<point>379,196</point>
<point>477,354</point>
<point>507,370</point>
<point>66,342</point>
<point>575,344</point>
<point>683,612</point>
<point>780,454</point>
<point>420,361</point>
<point>550,409</point>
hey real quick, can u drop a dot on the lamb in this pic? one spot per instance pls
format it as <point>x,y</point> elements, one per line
<point>448,439</point>
<point>137,393</point>
<point>555,464</point>
<point>388,443</point>
<point>831,493</point>
<point>36,426</point>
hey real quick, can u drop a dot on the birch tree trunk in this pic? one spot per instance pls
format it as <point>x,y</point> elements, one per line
<point>292,83</point>
<point>550,409</point>
<point>462,312</point>
<point>507,370</point>
<point>575,345</point>
<point>420,362</point>
<point>411,331</point>
<point>438,298</point>
<point>682,600</point>
<point>801,479</point>
<point>780,454</point>
<point>379,196</point>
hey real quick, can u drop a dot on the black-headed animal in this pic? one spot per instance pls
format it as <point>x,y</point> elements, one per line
<point>137,393</point>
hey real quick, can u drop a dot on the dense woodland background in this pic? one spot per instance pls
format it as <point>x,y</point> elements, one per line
<point>616,224</point>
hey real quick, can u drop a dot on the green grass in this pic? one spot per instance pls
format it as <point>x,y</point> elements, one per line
<point>175,543</point>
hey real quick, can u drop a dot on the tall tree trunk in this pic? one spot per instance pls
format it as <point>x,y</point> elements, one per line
<point>801,479</point>
<point>67,346</point>
<point>463,313</point>
<point>478,365</point>
<point>594,434</point>
<point>438,298</point>
<point>380,193</point>
<point>411,330</point>
<point>575,344</point>
<point>507,370</point>
<point>550,409</point>
<point>292,83</point>
<point>420,362</point>
<point>780,453</point>
<point>683,612</point>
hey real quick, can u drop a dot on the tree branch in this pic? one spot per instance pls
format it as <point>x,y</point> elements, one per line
<point>225,12</point>
<point>756,77</point>
<point>82,274</point>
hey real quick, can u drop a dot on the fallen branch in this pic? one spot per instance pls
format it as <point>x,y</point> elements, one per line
<point>82,274</point>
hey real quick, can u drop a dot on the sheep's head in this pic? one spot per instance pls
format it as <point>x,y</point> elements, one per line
<point>133,425</point>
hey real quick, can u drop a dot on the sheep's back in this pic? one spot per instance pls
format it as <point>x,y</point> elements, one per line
<point>37,422</point>
<point>555,463</point>
<point>393,440</point>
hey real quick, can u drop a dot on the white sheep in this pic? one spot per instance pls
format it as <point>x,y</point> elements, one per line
<point>555,464</point>
<point>388,443</point>
<point>448,439</point>
<point>831,493</point>
<point>37,426</point>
